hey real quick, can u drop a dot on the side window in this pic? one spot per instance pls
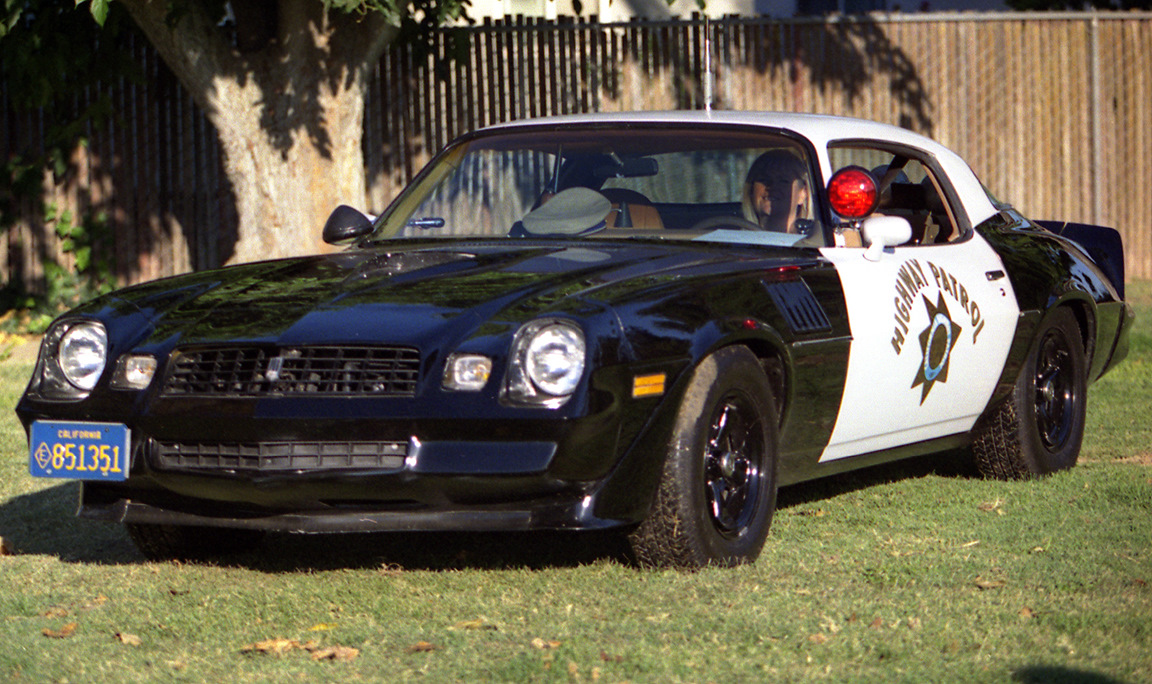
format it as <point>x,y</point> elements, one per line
<point>908,189</point>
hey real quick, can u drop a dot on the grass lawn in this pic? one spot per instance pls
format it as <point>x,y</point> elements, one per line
<point>906,573</point>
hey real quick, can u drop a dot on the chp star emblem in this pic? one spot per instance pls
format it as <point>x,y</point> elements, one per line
<point>936,342</point>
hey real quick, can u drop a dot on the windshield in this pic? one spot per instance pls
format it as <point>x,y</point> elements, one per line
<point>618,182</point>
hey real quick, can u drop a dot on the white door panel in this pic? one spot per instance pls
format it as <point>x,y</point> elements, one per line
<point>931,328</point>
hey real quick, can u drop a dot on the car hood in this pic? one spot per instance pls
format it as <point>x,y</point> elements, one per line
<point>404,292</point>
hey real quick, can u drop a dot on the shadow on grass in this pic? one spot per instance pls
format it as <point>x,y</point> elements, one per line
<point>950,464</point>
<point>440,551</point>
<point>1045,674</point>
<point>44,523</point>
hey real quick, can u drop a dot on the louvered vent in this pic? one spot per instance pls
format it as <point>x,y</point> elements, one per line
<point>799,306</point>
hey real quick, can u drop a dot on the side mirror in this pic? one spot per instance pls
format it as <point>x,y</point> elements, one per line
<point>346,224</point>
<point>881,232</point>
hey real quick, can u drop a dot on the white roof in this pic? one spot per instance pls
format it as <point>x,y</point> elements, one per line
<point>820,129</point>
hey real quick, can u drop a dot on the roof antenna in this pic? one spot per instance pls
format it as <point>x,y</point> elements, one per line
<point>707,64</point>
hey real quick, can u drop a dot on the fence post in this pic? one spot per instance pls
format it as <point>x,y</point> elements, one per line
<point>1094,112</point>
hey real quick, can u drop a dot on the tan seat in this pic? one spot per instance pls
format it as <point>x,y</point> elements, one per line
<point>849,237</point>
<point>631,210</point>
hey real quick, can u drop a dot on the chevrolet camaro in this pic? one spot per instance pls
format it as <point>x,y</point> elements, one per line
<point>647,322</point>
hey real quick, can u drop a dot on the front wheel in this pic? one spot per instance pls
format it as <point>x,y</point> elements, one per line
<point>1040,427</point>
<point>717,492</point>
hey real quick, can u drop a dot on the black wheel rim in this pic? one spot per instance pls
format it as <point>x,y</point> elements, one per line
<point>733,465</point>
<point>1055,390</point>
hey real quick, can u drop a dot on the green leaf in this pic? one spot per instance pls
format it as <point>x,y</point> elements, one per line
<point>83,258</point>
<point>99,9</point>
<point>12,15</point>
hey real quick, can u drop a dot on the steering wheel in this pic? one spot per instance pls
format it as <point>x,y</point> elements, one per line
<point>725,221</point>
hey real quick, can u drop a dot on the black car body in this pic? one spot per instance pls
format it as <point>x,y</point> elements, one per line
<point>623,344</point>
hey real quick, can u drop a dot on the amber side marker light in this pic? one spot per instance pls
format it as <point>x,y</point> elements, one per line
<point>648,385</point>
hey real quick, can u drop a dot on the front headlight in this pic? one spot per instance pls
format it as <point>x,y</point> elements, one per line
<point>555,359</point>
<point>81,354</point>
<point>547,362</point>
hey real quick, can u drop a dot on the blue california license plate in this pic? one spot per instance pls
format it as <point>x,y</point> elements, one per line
<point>79,451</point>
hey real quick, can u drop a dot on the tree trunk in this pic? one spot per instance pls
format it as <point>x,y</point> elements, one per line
<point>289,115</point>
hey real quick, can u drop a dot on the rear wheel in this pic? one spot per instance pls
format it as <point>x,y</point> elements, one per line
<point>717,493</point>
<point>1040,427</point>
<point>189,542</point>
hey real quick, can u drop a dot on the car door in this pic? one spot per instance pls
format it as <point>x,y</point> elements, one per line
<point>931,321</point>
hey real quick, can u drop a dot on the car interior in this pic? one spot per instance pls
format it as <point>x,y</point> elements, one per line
<point>656,183</point>
<point>908,189</point>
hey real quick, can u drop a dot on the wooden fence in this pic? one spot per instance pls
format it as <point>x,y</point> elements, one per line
<point>1054,112</point>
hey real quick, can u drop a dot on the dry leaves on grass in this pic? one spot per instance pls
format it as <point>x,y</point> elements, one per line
<point>992,507</point>
<point>543,645</point>
<point>128,639</point>
<point>421,647</point>
<point>911,622</point>
<point>989,583</point>
<point>100,600</point>
<point>62,612</point>
<point>62,633</point>
<point>336,653</point>
<point>477,624</point>
<point>281,646</point>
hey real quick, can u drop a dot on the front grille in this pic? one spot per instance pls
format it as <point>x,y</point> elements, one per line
<point>277,456</point>
<point>262,371</point>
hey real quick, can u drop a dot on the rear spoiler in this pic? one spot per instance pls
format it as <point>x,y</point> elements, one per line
<point>1102,244</point>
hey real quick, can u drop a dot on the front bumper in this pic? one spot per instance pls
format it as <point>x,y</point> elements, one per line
<point>337,465</point>
<point>545,481</point>
<point>563,511</point>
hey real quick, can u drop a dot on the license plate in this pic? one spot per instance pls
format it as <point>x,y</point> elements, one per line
<point>79,451</point>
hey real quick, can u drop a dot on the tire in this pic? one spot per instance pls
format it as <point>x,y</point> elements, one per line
<point>717,492</point>
<point>187,542</point>
<point>1040,427</point>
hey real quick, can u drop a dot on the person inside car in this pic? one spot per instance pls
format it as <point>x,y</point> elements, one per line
<point>776,195</point>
